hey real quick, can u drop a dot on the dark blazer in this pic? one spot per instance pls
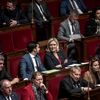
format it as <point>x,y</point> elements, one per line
<point>91,27</point>
<point>36,13</point>
<point>27,66</point>
<point>16,14</point>
<point>50,61</point>
<point>13,96</point>
<point>65,7</point>
<point>4,75</point>
<point>67,87</point>
<point>1,19</point>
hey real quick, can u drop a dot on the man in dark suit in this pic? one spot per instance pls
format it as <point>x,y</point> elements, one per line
<point>6,91</point>
<point>13,15</point>
<point>67,5</point>
<point>73,83</point>
<point>4,74</point>
<point>31,62</point>
<point>38,12</point>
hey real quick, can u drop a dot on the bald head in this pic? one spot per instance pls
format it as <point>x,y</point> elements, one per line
<point>5,87</point>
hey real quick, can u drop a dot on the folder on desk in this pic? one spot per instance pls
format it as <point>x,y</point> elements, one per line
<point>75,36</point>
<point>50,71</point>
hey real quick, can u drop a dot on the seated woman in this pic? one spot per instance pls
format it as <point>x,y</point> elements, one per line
<point>39,89</point>
<point>93,75</point>
<point>54,57</point>
<point>93,25</point>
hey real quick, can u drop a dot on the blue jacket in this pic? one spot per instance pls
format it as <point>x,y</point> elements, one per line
<point>65,7</point>
<point>27,66</point>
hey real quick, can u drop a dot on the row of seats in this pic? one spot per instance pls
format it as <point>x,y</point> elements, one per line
<point>54,5</point>
<point>16,38</point>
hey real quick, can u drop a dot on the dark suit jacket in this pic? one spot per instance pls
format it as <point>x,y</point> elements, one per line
<point>13,96</point>
<point>67,87</point>
<point>36,13</point>
<point>4,75</point>
<point>65,7</point>
<point>27,66</point>
<point>16,14</point>
<point>1,19</point>
<point>50,61</point>
<point>91,27</point>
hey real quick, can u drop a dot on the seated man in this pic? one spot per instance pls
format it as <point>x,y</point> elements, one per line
<point>4,74</point>
<point>30,62</point>
<point>39,89</point>
<point>6,91</point>
<point>73,83</point>
<point>13,15</point>
<point>67,5</point>
<point>38,12</point>
<point>69,31</point>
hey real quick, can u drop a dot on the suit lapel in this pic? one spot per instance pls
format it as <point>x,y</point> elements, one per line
<point>68,31</point>
<point>31,62</point>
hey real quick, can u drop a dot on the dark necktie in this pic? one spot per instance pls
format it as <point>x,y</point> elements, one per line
<point>73,28</point>
<point>36,61</point>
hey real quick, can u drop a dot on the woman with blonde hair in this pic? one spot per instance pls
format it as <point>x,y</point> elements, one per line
<point>93,75</point>
<point>54,57</point>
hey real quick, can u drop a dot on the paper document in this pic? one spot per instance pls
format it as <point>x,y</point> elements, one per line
<point>85,63</point>
<point>50,71</point>
<point>75,36</point>
<point>72,65</point>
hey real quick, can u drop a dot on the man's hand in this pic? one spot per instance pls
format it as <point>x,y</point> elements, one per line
<point>13,23</point>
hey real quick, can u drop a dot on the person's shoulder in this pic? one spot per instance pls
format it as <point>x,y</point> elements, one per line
<point>66,78</point>
<point>14,94</point>
<point>25,55</point>
<point>48,53</point>
<point>2,96</point>
<point>64,21</point>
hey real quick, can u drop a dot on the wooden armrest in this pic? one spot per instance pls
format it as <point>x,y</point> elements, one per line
<point>64,99</point>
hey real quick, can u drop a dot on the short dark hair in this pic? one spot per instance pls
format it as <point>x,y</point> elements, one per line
<point>32,45</point>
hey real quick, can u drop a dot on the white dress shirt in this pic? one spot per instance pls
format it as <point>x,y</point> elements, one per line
<point>34,62</point>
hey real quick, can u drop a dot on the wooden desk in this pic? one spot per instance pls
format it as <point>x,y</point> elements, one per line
<point>93,95</point>
<point>16,38</point>
<point>60,73</point>
<point>87,47</point>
